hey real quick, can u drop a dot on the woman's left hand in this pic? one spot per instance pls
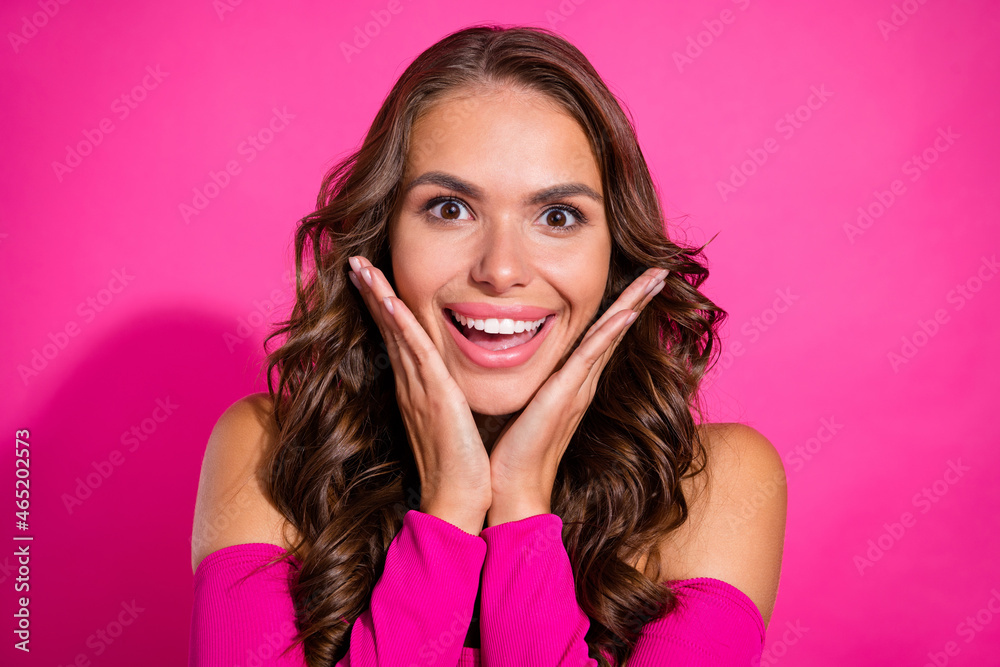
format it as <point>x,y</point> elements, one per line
<point>526,455</point>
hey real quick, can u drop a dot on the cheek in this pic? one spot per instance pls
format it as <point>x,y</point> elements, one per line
<point>417,278</point>
<point>591,278</point>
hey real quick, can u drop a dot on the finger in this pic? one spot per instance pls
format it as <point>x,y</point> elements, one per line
<point>585,363</point>
<point>650,294</point>
<point>418,356</point>
<point>606,334</point>
<point>374,288</point>
<point>409,384</point>
<point>657,288</point>
<point>594,352</point>
<point>633,297</point>
<point>590,357</point>
<point>383,319</point>
<point>593,363</point>
<point>377,295</point>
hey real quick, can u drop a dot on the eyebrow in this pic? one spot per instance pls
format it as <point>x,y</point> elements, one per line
<point>469,190</point>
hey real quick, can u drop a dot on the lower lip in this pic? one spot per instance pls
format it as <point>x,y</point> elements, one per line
<point>512,356</point>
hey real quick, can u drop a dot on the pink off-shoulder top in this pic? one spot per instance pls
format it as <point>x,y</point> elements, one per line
<point>422,605</point>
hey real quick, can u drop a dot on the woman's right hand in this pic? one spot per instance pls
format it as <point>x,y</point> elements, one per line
<point>453,464</point>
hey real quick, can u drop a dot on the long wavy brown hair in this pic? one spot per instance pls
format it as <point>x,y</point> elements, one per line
<point>342,471</point>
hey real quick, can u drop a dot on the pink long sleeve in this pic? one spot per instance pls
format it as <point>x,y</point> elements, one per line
<point>715,624</point>
<point>529,614</point>
<point>420,607</point>
<point>237,622</point>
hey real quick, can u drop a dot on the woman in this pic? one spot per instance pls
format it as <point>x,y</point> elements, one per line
<point>482,425</point>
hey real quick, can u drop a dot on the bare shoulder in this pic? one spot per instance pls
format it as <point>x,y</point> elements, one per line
<point>232,506</point>
<point>737,507</point>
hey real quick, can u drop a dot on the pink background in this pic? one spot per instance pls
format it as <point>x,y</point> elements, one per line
<point>817,309</point>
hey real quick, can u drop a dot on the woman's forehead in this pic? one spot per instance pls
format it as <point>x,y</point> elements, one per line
<point>512,142</point>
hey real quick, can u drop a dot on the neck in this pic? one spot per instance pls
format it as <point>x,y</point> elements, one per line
<point>490,427</point>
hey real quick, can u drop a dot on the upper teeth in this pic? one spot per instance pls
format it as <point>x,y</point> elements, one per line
<point>493,325</point>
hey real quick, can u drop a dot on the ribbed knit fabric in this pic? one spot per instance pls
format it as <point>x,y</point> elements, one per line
<point>715,623</point>
<point>422,605</point>
<point>529,614</point>
<point>242,623</point>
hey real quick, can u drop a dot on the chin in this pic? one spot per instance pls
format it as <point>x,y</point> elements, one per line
<point>498,399</point>
<point>495,406</point>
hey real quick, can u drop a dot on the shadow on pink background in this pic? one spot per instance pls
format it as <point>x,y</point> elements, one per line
<point>845,154</point>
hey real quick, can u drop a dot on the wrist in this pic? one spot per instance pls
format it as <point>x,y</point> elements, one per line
<point>507,508</point>
<point>463,518</point>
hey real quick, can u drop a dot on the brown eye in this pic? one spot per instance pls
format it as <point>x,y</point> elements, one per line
<point>450,209</point>
<point>556,217</point>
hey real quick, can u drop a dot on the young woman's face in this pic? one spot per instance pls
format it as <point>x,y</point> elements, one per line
<point>484,232</point>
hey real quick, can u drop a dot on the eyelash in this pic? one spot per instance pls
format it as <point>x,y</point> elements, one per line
<point>581,219</point>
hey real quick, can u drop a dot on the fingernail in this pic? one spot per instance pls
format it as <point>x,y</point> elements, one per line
<point>367,275</point>
<point>355,263</point>
<point>653,285</point>
<point>656,290</point>
<point>388,305</point>
<point>354,279</point>
<point>631,318</point>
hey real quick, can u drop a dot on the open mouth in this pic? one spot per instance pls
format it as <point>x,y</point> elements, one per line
<point>497,334</point>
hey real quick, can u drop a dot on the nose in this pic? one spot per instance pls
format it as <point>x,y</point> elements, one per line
<point>501,262</point>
